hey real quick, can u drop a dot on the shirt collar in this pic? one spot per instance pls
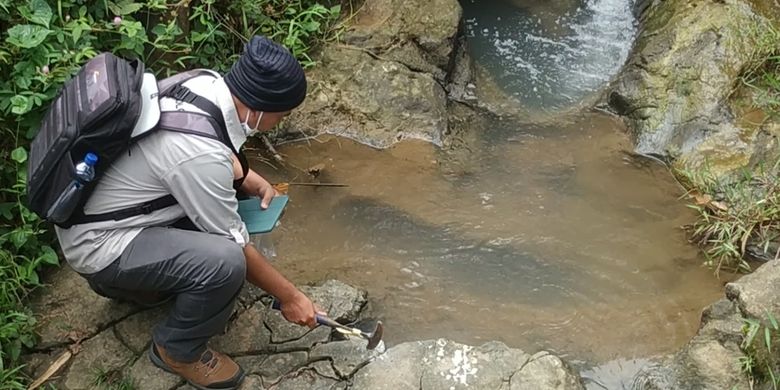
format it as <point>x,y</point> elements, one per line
<point>228,107</point>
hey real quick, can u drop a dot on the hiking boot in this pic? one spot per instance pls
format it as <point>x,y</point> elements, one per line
<point>212,371</point>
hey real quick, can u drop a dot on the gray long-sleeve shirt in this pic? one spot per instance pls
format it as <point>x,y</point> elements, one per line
<point>197,171</point>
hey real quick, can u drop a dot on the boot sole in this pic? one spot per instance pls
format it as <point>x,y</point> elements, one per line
<point>157,361</point>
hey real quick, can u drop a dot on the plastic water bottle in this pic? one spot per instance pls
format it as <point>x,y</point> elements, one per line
<point>265,244</point>
<point>63,207</point>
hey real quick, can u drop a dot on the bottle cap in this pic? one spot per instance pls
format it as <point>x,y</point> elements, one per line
<point>91,159</point>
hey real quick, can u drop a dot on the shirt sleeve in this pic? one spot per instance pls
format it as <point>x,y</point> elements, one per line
<point>203,187</point>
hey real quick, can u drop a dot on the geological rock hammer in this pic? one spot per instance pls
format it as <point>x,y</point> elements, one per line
<point>373,337</point>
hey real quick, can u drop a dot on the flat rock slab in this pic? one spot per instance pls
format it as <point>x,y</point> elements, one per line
<point>100,354</point>
<point>346,356</point>
<point>273,367</point>
<point>136,331</point>
<point>247,334</point>
<point>445,365</point>
<point>73,310</point>
<point>146,376</point>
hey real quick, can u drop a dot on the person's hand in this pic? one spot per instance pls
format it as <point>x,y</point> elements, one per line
<point>265,191</point>
<point>299,309</point>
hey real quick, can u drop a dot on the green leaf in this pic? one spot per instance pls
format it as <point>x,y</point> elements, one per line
<point>20,104</point>
<point>129,8</point>
<point>41,13</point>
<point>26,35</point>
<point>5,210</point>
<point>19,237</point>
<point>19,155</point>
<point>772,320</point>
<point>49,256</point>
<point>768,339</point>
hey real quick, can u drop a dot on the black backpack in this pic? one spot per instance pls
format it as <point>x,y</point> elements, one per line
<point>96,112</point>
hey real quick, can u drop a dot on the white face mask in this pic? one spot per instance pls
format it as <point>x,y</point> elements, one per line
<point>245,126</point>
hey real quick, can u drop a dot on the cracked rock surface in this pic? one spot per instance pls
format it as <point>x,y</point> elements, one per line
<point>274,353</point>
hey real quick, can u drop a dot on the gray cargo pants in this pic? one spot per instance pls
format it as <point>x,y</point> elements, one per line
<point>203,271</point>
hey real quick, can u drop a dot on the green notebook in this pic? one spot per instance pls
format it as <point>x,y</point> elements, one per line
<point>258,220</point>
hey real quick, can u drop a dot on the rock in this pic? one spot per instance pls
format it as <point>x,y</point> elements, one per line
<point>100,354</point>
<point>755,293</point>
<point>252,382</point>
<point>708,361</point>
<point>443,364</point>
<point>305,379</point>
<point>416,33</point>
<point>145,375</point>
<point>74,311</point>
<point>386,81</point>
<point>315,336</point>
<point>374,101</point>
<point>341,301</point>
<point>136,331</point>
<point>247,334</point>
<point>283,330</point>
<point>346,356</point>
<point>324,368</point>
<point>273,367</point>
<point>36,364</point>
<point>685,65</point>
<point>544,371</point>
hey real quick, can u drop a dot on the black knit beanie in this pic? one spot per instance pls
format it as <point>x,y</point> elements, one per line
<point>267,77</point>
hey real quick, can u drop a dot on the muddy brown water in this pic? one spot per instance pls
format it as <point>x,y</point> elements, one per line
<point>554,240</point>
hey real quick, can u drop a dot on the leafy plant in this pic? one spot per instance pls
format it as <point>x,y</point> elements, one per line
<point>735,214</point>
<point>762,358</point>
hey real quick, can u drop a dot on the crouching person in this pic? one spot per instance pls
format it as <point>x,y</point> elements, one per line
<point>191,245</point>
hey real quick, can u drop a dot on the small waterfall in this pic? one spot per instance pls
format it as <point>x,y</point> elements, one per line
<point>547,57</point>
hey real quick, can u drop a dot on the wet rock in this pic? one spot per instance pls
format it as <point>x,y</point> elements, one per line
<point>247,334</point>
<point>145,375</point>
<point>708,361</point>
<point>544,371</point>
<point>346,356</point>
<point>136,331</point>
<point>443,364</point>
<point>74,311</point>
<point>684,67</point>
<point>100,354</point>
<point>756,293</point>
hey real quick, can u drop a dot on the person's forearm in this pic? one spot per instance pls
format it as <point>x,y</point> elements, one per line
<point>260,273</point>
<point>252,183</point>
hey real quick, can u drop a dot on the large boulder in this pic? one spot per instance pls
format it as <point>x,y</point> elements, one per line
<point>685,66</point>
<point>389,78</point>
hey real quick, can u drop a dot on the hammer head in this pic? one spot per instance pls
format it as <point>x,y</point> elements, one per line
<point>376,336</point>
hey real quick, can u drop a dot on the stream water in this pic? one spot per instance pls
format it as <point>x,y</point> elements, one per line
<point>552,238</point>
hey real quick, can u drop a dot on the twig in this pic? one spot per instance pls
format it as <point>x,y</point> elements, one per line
<point>267,143</point>
<point>319,184</point>
<point>61,360</point>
